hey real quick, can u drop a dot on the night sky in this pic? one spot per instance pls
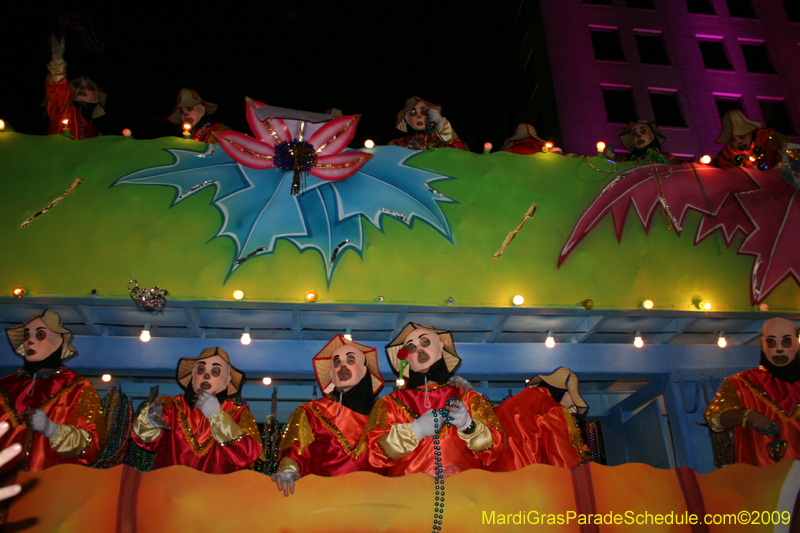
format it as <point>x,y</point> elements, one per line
<point>364,59</point>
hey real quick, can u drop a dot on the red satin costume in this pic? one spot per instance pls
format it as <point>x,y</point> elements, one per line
<point>760,391</point>
<point>191,443</point>
<point>325,440</point>
<point>404,405</point>
<point>66,398</point>
<point>59,106</point>
<point>538,430</point>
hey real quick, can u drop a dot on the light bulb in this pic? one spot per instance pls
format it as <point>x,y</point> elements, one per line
<point>311,296</point>
<point>600,147</point>
<point>638,342</point>
<point>369,143</point>
<point>550,342</point>
<point>647,304</point>
<point>267,381</point>
<point>126,132</point>
<point>705,305</point>
<point>487,147</point>
<point>722,342</point>
<point>238,295</point>
<point>348,334</point>
<point>187,126</point>
<point>2,125</point>
<point>706,159</point>
<point>106,377</point>
<point>145,335</point>
<point>65,121</point>
<point>18,292</point>
<point>246,337</point>
<point>518,300</point>
<point>400,382</point>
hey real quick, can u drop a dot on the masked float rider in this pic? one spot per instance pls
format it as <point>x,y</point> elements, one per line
<point>326,436</point>
<point>201,428</point>
<point>426,127</point>
<point>762,404</point>
<point>54,413</point>
<point>401,427</point>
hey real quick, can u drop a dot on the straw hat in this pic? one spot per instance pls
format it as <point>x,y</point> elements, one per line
<point>189,98</point>
<point>100,108</point>
<point>735,123</point>
<point>402,125</point>
<point>565,379</point>
<point>524,131</point>
<point>52,320</point>
<point>323,362</point>
<point>626,137</point>
<point>451,358</point>
<point>186,365</point>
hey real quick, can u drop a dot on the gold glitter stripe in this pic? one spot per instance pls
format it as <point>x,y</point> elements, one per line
<point>345,165</point>
<point>10,410</point>
<point>352,451</point>
<point>574,434</point>
<point>777,408</point>
<point>272,131</point>
<point>90,408</point>
<point>248,152</point>
<point>510,236</point>
<point>300,129</point>
<point>297,429</point>
<point>378,417</point>
<point>52,204</point>
<point>344,129</point>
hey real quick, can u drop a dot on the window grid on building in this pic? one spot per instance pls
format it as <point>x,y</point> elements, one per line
<point>606,44</point>
<point>776,115</point>
<point>700,7</point>
<point>651,47</point>
<point>715,57</point>
<point>620,107</point>
<point>756,56</point>
<point>667,109</point>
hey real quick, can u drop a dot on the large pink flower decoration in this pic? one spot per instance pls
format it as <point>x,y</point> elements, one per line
<point>296,145</point>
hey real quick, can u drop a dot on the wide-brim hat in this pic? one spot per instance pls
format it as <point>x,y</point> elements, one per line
<point>627,141</point>
<point>735,123</point>
<point>100,108</point>
<point>451,358</point>
<point>565,379</point>
<point>186,365</point>
<point>323,362</point>
<point>189,98</point>
<point>51,319</point>
<point>402,125</point>
<point>524,131</point>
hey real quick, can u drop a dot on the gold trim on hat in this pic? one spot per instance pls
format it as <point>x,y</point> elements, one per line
<point>186,365</point>
<point>323,362</point>
<point>451,358</point>
<point>51,319</point>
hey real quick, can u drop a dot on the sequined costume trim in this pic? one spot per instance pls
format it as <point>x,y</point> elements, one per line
<point>297,429</point>
<point>725,400</point>
<point>769,401</point>
<point>199,449</point>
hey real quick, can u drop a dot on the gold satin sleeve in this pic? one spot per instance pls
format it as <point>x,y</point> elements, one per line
<point>480,439</point>
<point>725,400</point>
<point>574,433</point>
<point>224,429</point>
<point>56,71</point>
<point>297,429</point>
<point>446,132</point>
<point>400,441</point>
<point>70,441</point>
<point>143,428</point>
<point>288,464</point>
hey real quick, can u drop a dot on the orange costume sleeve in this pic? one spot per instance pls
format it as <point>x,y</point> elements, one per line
<point>227,442</point>
<point>70,401</point>
<point>758,390</point>
<point>393,444</point>
<point>538,430</point>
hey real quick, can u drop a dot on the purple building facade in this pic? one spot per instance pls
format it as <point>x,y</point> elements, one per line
<point>680,62</point>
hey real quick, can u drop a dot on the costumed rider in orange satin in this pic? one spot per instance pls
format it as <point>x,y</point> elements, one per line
<point>202,428</point>
<point>54,413</point>
<point>80,102</point>
<point>426,127</point>
<point>192,110</point>
<point>747,144</point>
<point>762,404</point>
<point>326,436</point>
<point>401,425</point>
<point>539,424</point>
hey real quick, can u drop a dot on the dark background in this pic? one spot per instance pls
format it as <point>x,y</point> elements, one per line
<point>364,58</point>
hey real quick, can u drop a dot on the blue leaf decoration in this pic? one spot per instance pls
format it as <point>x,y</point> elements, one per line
<point>258,209</point>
